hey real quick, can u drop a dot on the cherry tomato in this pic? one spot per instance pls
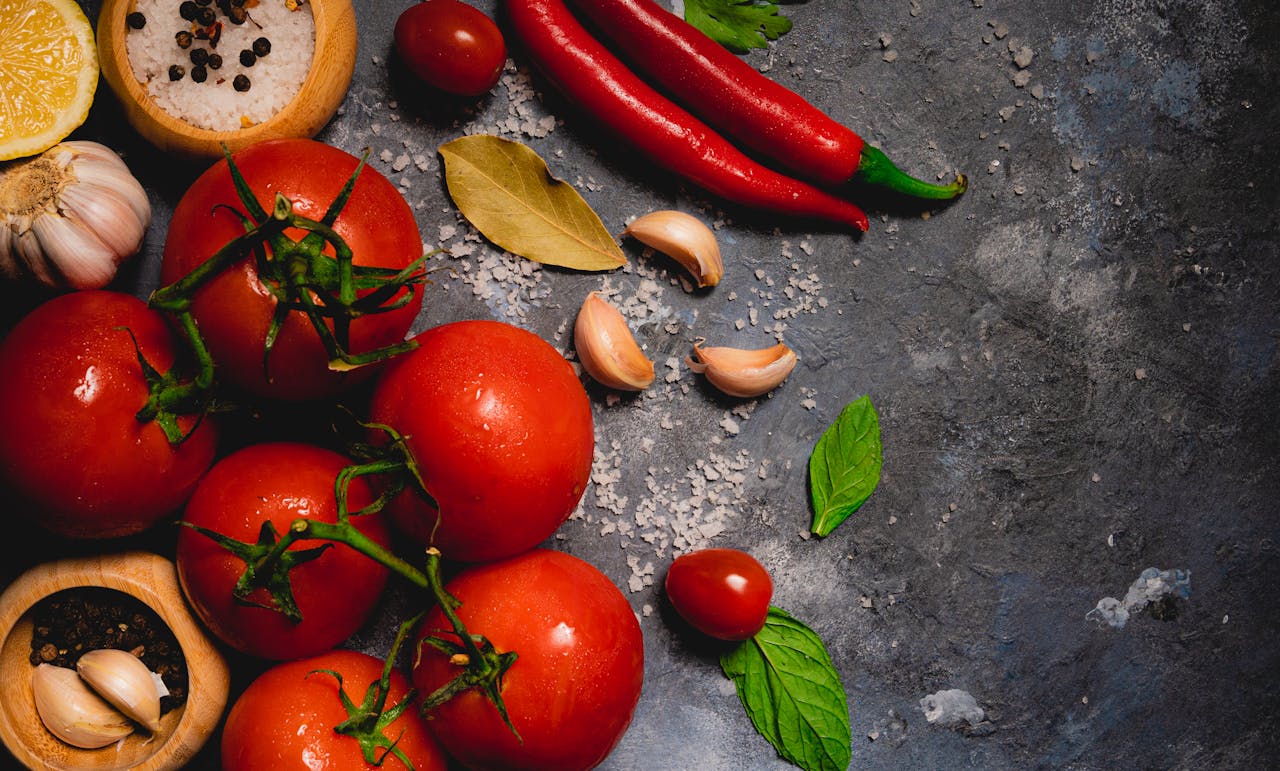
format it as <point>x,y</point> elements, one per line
<point>234,310</point>
<point>278,482</point>
<point>451,46</point>
<point>284,720</point>
<point>70,444</point>
<point>500,428</point>
<point>723,593</point>
<point>574,686</point>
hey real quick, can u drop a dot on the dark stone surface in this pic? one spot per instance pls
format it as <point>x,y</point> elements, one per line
<point>1075,369</point>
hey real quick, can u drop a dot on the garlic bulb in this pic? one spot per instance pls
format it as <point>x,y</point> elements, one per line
<point>72,712</point>
<point>70,216</point>
<point>122,679</point>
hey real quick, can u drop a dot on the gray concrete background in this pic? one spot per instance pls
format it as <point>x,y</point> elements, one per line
<point>1075,367</point>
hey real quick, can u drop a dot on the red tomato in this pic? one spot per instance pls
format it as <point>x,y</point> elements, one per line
<point>279,482</point>
<point>69,442</point>
<point>451,46</point>
<point>574,686</point>
<point>284,720</point>
<point>234,310</point>
<point>500,428</point>
<point>723,593</point>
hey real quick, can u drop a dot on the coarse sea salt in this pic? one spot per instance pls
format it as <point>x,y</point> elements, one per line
<point>274,79</point>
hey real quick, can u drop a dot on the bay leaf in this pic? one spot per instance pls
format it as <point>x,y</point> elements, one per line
<point>506,190</point>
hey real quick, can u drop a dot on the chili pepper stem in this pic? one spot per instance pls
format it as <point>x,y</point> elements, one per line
<point>875,168</point>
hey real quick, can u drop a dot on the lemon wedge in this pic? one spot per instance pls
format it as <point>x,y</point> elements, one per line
<point>48,73</point>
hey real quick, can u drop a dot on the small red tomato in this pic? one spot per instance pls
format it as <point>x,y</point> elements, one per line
<point>73,455</point>
<point>723,593</point>
<point>285,719</point>
<point>451,46</point>
<point>279,482</point>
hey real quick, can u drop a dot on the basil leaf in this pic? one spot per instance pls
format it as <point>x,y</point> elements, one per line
<point>738,25</point>
<point>792,693</point>
<point>844,468</point>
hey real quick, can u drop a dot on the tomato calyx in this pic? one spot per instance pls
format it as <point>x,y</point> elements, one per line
<point>267,566</point>
<point>170,397</point>
<point>331,291</point>
<point>483,666</point>
<point>368,721</point>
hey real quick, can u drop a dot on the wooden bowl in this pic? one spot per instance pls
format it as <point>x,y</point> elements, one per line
<point>153,580</point>
<point>322,92</point>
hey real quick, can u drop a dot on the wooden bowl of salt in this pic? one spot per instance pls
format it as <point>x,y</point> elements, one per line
<point>147,96</point>
<point>148,578</point>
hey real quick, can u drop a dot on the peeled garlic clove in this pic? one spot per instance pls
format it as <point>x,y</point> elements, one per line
<point>122,679</point>
<point>742,372</point>
<point>72,712</point>
<point>608,351</point>
<point>683,238</point>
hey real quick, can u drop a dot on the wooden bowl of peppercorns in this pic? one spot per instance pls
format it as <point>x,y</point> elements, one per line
<point>183,47</point>
<point>132,601</point>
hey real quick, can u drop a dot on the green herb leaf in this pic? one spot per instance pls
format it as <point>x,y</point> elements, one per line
<point>505,189</point>
<point>738,25</point>
<point>792,693</point>
<point>844,468</point>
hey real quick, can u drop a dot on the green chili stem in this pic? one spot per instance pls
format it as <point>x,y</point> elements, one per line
<point>875,168</point>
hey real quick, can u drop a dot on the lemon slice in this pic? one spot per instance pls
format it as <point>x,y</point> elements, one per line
<point>48,73</point>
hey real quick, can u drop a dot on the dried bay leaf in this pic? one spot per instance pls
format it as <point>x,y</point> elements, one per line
<point>506,190</point>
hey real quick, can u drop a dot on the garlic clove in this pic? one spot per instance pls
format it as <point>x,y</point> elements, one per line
<point>122,679</point>
<point>608,351</point>
<point>685,239</point>
<point>743,372</point>
<point>72,712</point>
<point>80,256</point>
<point>111,173</point>
<point>110,218</point>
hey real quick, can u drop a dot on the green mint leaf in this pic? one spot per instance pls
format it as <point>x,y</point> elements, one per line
<point>738,25</point>
<point>844,468</point>
<point>792,693</point>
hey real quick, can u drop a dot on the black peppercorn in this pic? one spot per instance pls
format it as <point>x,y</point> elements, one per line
<point>176,72</point>
<point>237,14</point>
<point>135,20</point>
<point>238,3</point>
<point>215,61</point>
<point>199,56</point>
<point>199,74</point>
<point>188,10</point>
<point>241,83</point>
<point>184,39</point>
<point>247,58</point>
<point>262,46</point>
<point>206,16</point>
<point>203,3</point>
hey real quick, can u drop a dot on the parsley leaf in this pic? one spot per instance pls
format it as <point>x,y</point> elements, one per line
<point>738,25</point>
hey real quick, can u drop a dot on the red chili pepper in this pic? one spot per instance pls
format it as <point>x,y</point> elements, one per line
<point>724,90</point>
<point>668,135</point>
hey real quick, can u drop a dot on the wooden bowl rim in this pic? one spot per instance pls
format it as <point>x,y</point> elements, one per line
<point>326,15</point>
<point>208,672</point>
